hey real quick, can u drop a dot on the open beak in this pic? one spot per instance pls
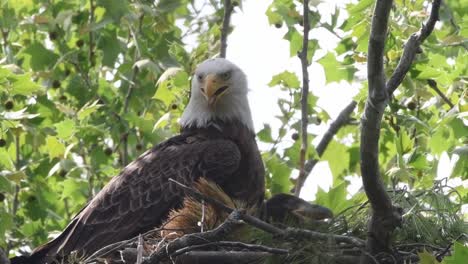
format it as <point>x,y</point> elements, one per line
<point>215,87</point>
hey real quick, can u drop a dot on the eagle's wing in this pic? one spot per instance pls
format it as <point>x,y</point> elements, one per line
<point>141,196</point>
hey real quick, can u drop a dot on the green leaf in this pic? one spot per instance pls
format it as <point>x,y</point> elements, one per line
<point>286,78</point>
<point>459,254</point>
<point>40,57</point>
<point>54,147</point>
<point>265,134</point>
<point>88,109</point>
<point>404,144</point>
<point>359,7</point>
<point>7,223</point>
<point>337,156</point>
<point>65,128</point>
<point>438,140</point>
<point>113,10</point>
<point>295,42</point>
<point>334,199</point>
<point>5,184</point>
<point>22,84</point>
<point>280,173</point>
<point>110,46</point>
<point>334,70</point>
<point>73,188</point>
<point>427,258</point>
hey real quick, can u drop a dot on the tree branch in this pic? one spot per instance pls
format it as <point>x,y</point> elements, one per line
<point>433,85</point>
<point>226,257</point>
<point>232,244</point>
<point>16,202</point>
<point>413,47</point>
<point>225,29</point>
<point>304,95</point>
<point>342,119</point>
<point>91,56</point>
<point>385,217</point>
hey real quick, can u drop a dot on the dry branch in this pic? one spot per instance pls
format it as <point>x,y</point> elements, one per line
<point>385,217</point>
<point>342,119</point>
<point>226,257</point>
<point>232,244</point>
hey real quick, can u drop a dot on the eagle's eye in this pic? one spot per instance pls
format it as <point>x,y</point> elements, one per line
<point>200,77</point>
<point>226,75</point>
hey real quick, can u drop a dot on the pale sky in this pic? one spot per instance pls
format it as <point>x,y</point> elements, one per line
<point>260,50</point>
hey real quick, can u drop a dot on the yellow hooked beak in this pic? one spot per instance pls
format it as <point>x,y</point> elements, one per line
<point>215,87</point>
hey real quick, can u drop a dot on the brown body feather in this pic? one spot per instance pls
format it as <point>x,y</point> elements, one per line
<point>141,196</point>
<point>188,218</point>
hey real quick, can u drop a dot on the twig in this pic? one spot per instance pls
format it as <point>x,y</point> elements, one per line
<point>304,95</point>
<point>17,186</point>
<point>441,255</point>
<point>309,234</point>
<point>91,57</point>
<point>225,29</point>
<point>235,244</point>
<point>225,257</point>
<point>139,250</point>
<point>433,85</point>
<point>342,119</point>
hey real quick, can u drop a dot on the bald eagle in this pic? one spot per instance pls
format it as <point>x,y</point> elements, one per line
<point>217,141</point>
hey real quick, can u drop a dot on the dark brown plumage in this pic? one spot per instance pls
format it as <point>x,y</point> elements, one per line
<point>217,142</point>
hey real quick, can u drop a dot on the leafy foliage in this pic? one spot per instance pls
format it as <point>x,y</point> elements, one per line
<point>87,86</point>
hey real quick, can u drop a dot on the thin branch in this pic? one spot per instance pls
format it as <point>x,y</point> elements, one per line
<point>342,119</point>
<point>225,29</point>
<point>17,186</point>
<point>309,234</point>
<point>413,47</point>
<point>226,257</point>
<point>232,244</point>
<point>433,85</point>
<point>304,95</point>
<point>91,57</point>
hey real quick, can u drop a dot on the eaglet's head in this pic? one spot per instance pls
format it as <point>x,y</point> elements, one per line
<point>219,92</point>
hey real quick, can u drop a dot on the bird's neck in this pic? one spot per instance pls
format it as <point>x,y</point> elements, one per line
<point>197,114</point>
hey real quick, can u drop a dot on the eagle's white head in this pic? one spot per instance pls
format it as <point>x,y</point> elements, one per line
<point>219,91</point>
